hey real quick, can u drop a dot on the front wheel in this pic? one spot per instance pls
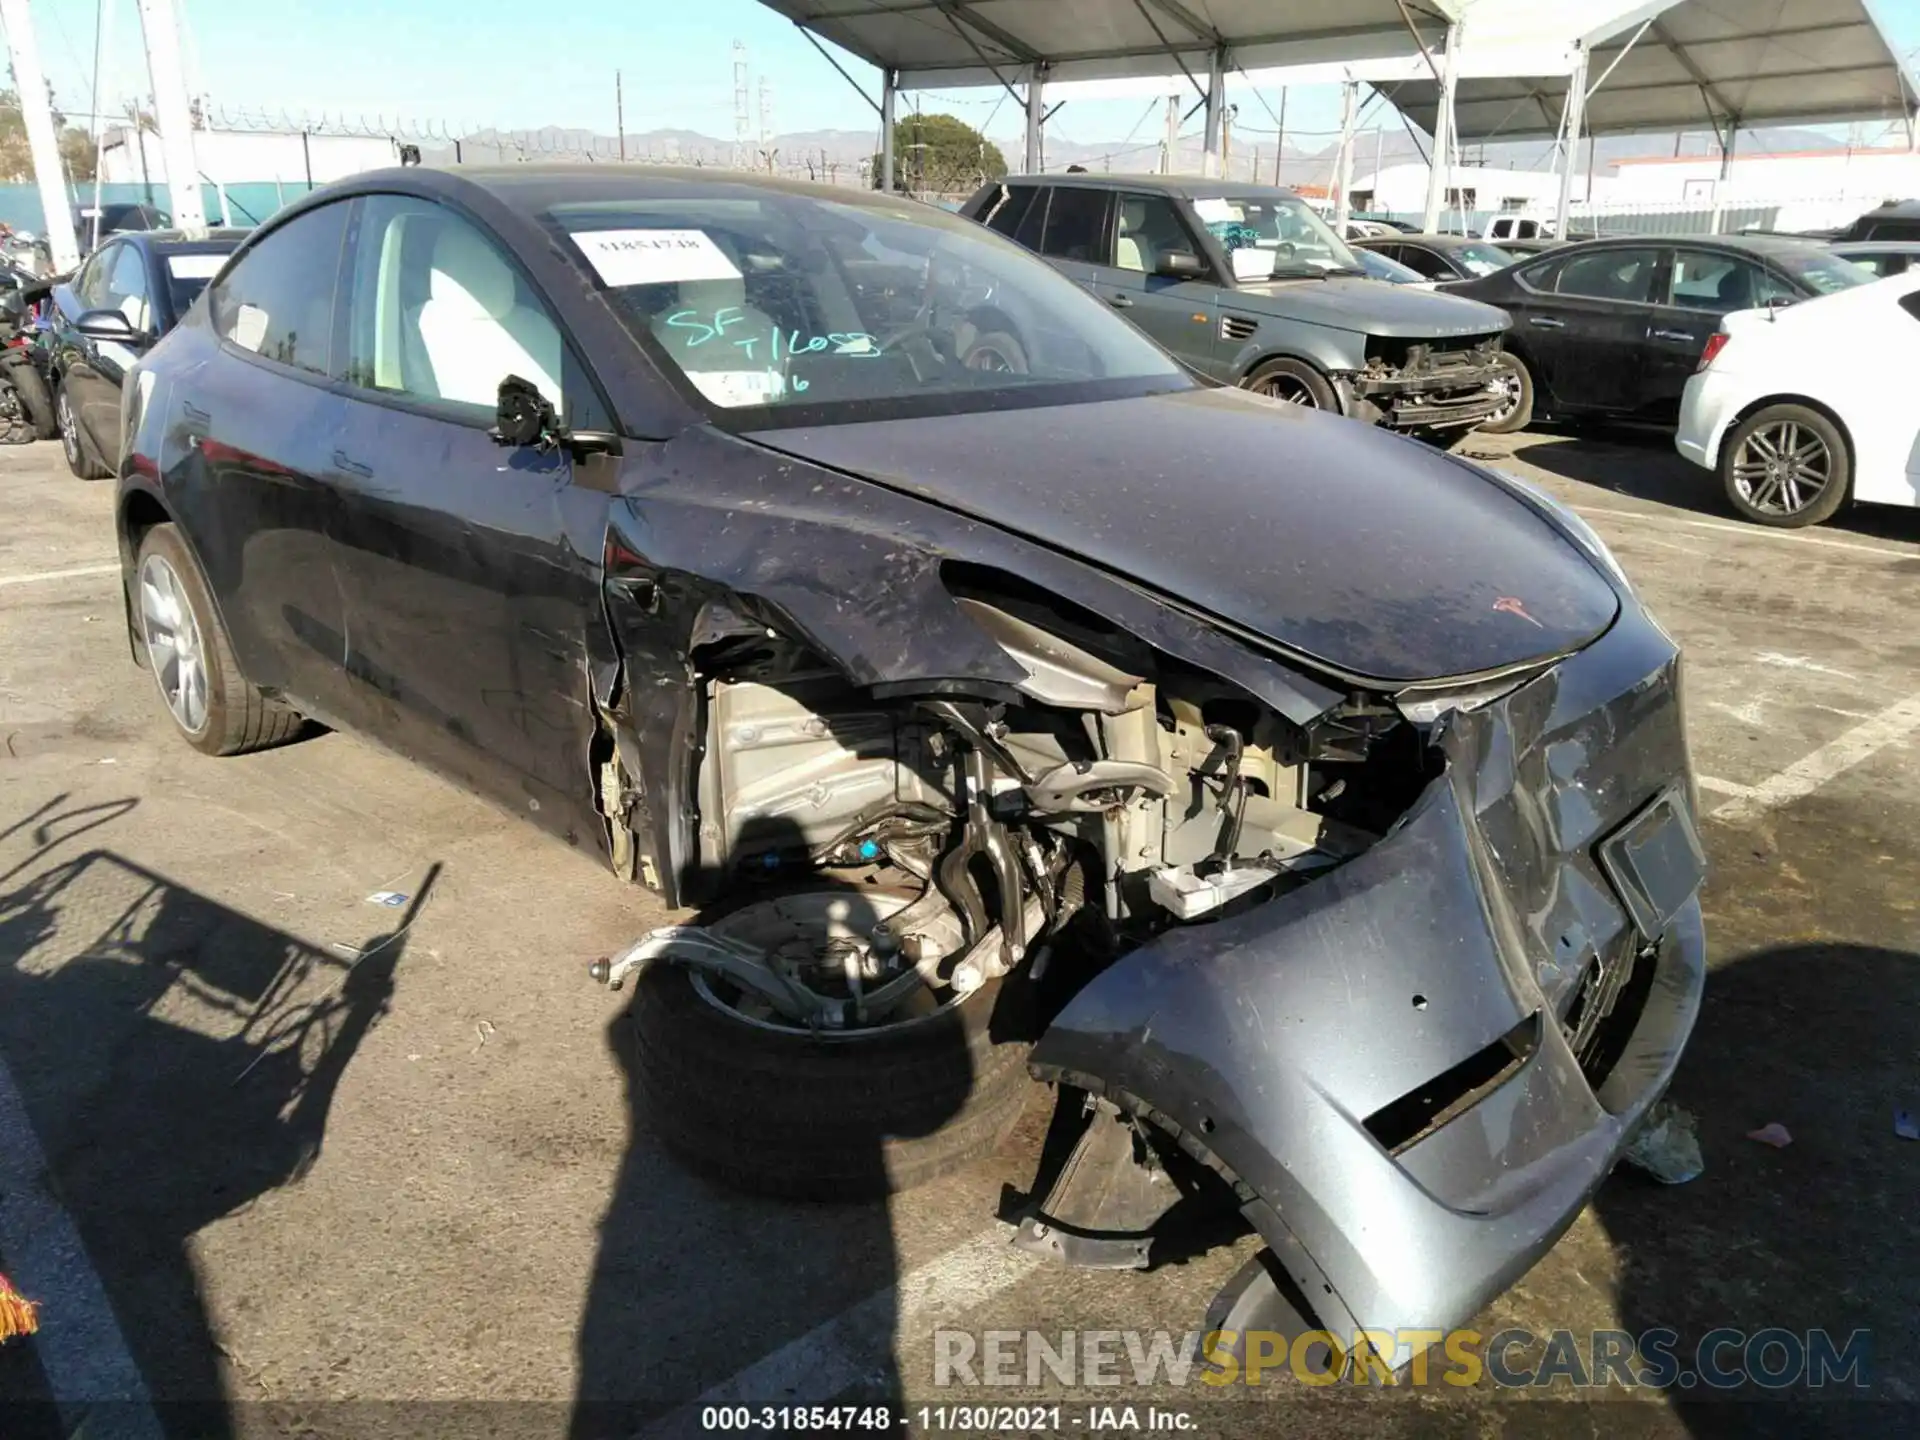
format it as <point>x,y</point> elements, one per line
<point>1786,466</point>
<point>765,1105</point>
<point>1293,382</point>
<point>35,399</point>
<point>1516,400</point>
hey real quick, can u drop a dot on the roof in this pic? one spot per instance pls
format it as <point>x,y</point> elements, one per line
<point>1185,186</point>
<point>1698,63</point>
<point>986,42</point>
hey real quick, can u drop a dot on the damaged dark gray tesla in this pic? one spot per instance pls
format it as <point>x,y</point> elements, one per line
<point>1310,808</point>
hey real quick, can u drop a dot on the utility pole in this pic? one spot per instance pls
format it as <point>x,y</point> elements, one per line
<point>1226,143</point>
<point>174,114</point>
<point>742,126</point>
<point>766,121</point>
<point>1172,136</point>
<point>620,114</point>
<point>1572,116</point>
<point>1280,141</point>
<point>36,108</point>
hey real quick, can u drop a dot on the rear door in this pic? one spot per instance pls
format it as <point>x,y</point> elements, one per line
<point>1699,287</point>
<point>472,571</point>
<point>1078,233</point>
<point>1182,315</point>
<point>1587,335</point>
<point>257,424</point>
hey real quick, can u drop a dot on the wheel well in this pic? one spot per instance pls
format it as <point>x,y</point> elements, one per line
<point>1805,403</point>
<point>138,515</point>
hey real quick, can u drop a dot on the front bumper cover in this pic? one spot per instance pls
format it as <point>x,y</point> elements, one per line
<point>1428,399</point>
<point>1272,1044</point>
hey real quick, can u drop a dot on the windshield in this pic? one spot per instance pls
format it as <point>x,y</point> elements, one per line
<point>1273,236</point>
<point>1821,272</point>
<point>783,300</point>
<point>1484,259</point>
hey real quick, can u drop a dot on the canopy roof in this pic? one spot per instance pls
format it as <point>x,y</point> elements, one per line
<point>1698,64</point>
<point>984,42</point>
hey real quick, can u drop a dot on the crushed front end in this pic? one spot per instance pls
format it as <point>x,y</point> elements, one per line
<point>1415,1071</point>
<point>1438,384</point>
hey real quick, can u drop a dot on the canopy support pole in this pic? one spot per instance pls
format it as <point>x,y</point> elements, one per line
<point>1572,114</point>
<point>1726,173</point>
<point>1036,115</point>
<point>43,144</point>
<point>1440,165</point>
<point>1216,108</point>
<point>1343,207</point>
<point>889,87</point>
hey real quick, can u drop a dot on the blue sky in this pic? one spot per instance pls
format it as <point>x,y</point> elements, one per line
<point>511,64</point>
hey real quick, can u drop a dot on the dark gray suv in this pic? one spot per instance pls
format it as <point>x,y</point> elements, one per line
<point>1248,286</point>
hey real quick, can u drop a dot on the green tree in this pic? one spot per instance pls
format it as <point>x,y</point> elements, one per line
<point>16,158</point>
<point>938,154</point>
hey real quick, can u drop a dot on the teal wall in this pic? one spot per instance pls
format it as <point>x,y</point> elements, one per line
<point>249,203</point>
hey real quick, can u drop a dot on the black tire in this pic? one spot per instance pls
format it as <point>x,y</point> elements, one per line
<point>772,1112</point>
<point>35,399</point>
<point>238,717</point>
<point>73,440</point>
<point>1293,381</point>
<point>1519,380</point>
<point>15,427</point>
<point>1777,488</point>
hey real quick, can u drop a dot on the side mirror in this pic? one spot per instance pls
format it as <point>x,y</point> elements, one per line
<point>522,415</point>
<point>107,325</point>
<point>1180,265</point>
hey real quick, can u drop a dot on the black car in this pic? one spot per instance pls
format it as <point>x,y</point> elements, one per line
<point>1442,257</point>
<point>1616,327</point>
<point>1881,257</point>
<point>115,218</point>
<point>129,293</point>
<point>702,522</point>
<point>1896,220</point>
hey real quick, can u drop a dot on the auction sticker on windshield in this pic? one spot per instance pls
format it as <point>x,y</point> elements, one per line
<point>654,257</point>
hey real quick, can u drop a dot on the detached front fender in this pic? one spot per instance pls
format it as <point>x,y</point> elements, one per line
<point>1288,1046</point>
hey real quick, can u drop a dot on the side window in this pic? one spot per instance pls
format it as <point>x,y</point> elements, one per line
<point>1077,226</point>
<point>437,312</point>
<point>1416,257</point>
<point>278,300</point>
<point>1541,277</point>
<point>1007,209</point>
<point>1703,280</point>
<point>126,287</point>
<point>1610,275</point>
<point>1031,223</point>
<point>1894,230</point>
<point>1150,226</point>
<point>90,285</point>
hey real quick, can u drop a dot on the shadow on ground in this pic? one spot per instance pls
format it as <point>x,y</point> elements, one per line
<point>178,1061</point>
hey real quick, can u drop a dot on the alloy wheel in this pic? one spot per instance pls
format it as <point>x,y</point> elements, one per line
<point>69,433</point>
<point>1782,468</point>
<point>1509,384</point>
<point>1288,388</point>
<point>175,648</point>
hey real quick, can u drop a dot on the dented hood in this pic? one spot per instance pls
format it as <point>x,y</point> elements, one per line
<point>1367,552</point>
<point>1343,302</point>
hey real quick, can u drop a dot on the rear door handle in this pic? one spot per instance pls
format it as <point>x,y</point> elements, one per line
<point>1547,322</point>
<point>1673,335</point>
<point>343,461</point>
<point>1120,302</point>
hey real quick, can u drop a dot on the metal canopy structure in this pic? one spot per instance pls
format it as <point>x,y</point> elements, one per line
<point>1721,65</point>
<point>926,44</point>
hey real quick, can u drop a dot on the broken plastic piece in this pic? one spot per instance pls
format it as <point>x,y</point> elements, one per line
<point>1906,1125</point>
<point>391,898</point>
<point>1772,1133</point>
<point>1190,896</point>
<point>1667,1147</point>
<point>18,1315</point>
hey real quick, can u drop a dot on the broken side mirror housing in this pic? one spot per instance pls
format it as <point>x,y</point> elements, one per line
<point>522,415</point>
<point>1180,265</point>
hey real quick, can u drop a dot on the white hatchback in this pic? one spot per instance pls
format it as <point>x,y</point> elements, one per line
<point>1800,409</point>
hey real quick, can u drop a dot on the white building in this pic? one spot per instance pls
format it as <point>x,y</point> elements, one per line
<point>1402,189</point>
<point>237,157</point>
<point>1813,188</point>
